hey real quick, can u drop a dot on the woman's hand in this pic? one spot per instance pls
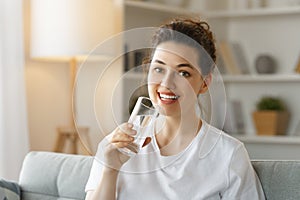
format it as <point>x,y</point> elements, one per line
<point>121,137</point>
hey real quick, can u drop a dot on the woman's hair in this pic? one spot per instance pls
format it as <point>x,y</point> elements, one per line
<point>192,32</point>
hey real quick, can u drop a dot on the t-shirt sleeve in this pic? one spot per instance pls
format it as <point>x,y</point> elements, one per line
<point>243,182</point>
<point>96,170</point>
<point>95,175</point>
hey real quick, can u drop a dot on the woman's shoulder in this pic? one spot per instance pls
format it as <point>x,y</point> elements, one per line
<point>214,139</point>
<point>214,132</point>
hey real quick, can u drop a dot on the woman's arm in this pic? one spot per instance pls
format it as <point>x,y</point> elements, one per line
<point>112,160</point>
<point>243,181</point>
<point>107,187</point>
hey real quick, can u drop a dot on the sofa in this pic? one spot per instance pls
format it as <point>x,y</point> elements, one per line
<point>58,176</point>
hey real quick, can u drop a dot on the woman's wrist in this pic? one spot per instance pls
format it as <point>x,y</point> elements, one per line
<point>110,171</point>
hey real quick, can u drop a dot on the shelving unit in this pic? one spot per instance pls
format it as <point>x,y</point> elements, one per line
<point>156,7</point>
<point>257,12</point>
<point>254,78</point>
<point>270,31</point>
<point>153,13</point>
<point>273,31</point>
<point>283,140</point>
<point>272,147</point>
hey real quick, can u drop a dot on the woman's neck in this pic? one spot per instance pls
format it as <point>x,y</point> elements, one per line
<point>177,133</point>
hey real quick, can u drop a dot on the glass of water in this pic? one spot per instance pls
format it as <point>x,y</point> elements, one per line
<point>142,117</point>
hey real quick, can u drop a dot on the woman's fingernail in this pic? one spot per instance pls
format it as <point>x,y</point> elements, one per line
<point>134,132</point>
<point>130,125</point>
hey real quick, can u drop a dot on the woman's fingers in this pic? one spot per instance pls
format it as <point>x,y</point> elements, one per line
<point>121,144</point>
<point>123,135</point>
<point>127,128</point>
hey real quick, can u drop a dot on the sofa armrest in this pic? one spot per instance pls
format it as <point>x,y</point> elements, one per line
<point>9,190</point>
<point>48,175</point>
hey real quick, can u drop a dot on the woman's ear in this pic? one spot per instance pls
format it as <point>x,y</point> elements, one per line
<point>205,84</point>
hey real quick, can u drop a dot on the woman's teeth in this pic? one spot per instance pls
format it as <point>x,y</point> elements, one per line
<point>172,97</point>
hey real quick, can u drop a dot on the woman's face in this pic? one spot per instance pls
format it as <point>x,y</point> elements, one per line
<point>174,79</point>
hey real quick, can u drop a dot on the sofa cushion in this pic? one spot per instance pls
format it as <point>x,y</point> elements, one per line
<point>280,179</point>
<point>51,176</point>
<point>9,190</point>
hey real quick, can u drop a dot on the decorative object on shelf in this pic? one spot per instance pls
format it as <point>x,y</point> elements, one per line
<point>271,117</point>
<point>297,69</point>
<point>265,64</point>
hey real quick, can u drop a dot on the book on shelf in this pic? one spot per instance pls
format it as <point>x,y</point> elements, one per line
<point>220,65</point>
<point>297,69</point>
<point>297,129</point>
<point>126,59</point>
<point>232,59</point>
<point>133,60</point>
<point>240,57</point>
<point>234,118</point>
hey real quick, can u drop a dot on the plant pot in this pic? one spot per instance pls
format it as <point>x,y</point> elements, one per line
<point>271,122</point>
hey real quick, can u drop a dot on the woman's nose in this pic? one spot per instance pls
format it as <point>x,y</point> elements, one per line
<point>168,80</point>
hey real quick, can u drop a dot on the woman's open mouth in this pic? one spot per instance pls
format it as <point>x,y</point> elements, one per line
<point>168,98</point>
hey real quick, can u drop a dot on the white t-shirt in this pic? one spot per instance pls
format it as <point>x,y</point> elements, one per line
<point>213,166</point>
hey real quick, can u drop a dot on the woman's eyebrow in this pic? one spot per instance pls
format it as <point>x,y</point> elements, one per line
<point>185,65</point>
<point>159,62</point>
<point>179,66</point>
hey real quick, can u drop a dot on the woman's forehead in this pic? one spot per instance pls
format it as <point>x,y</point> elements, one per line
<point>180,51</point>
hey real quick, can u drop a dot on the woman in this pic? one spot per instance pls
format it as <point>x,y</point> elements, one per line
<point>186,158</point>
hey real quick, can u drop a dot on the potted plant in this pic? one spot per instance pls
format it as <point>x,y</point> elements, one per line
<point>271,116</point>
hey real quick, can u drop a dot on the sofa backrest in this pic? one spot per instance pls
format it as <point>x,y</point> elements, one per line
<point>53,176</point>
<point>280,179</point>
<point>57,176</point>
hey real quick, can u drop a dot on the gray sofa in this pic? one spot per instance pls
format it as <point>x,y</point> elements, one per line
<point>51,176</point>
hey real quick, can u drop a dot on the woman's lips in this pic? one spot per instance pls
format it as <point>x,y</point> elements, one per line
<point>167,97</point>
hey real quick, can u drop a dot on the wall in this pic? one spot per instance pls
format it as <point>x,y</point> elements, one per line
<point>48,85</point>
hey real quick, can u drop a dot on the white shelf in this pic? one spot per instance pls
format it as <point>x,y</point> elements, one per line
<point>159,7</point>
<point>252,12</point>
<point>262,78</point>
<point>240,78</point>
<point>269,139</point>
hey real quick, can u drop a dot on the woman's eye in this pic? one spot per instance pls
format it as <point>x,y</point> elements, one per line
<point>184,74</point>
<point>158,69</point>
